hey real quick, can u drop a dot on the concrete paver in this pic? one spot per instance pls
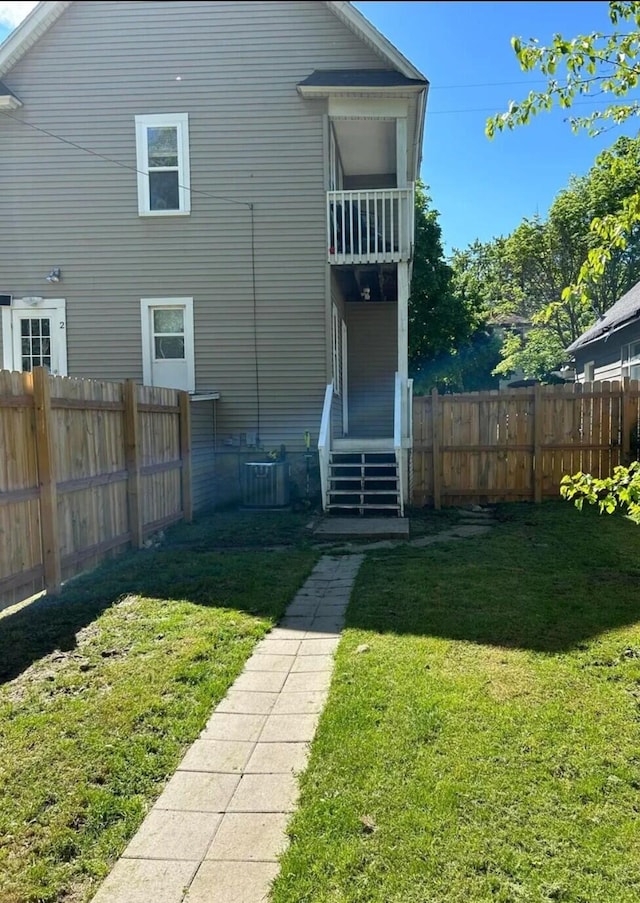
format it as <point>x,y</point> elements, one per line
<point>299,703</point>
<point>259,662</point>
<point>312,663</point>
<point>130,880</point>
<point>278,758</point>
<point>223,726</point>
<point>290,728</point>
<point>239,702</point>
<point>261,681</point>
<point>265,793</point>
<point>232,882</point>
<point>250,836</point>
<point>277,647</point>
<point>184,836</point>
<point>314,646</point>
<point>309,681</point>
<point>221,756</point>
<point>198,791</point>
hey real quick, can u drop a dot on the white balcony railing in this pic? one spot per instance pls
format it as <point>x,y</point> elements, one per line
<point>373,226</point>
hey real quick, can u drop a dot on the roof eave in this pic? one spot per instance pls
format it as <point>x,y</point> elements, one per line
<point>332,90</point>
<point>368,33</point>
<point>28,32</point>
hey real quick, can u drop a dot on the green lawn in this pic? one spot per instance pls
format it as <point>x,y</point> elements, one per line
<point>486,747</point>
<point>102,690</point>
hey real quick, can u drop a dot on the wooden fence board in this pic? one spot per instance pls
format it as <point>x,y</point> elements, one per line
<point>68,469</point>
<point>517,445</point>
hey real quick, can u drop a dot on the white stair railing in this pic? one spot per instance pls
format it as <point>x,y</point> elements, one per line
<point>397,440</point>
<point>324,445</point>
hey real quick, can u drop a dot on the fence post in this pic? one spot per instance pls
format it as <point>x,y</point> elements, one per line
<point>47,481</point>
<point>437,462</point>
<point>132,460</point>
<point>185,455</point>
<point>538,415</point>
<point>627,413</point>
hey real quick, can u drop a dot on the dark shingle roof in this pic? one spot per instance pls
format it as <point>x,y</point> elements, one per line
<point>359,78</point>
<point>623,311</point>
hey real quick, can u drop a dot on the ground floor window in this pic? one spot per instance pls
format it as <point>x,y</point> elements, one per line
<point>631,360</point>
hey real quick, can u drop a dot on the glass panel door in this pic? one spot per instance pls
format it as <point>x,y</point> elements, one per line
<point>33,340</point>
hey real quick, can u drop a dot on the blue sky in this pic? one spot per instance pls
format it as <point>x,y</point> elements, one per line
<point>482,188</point>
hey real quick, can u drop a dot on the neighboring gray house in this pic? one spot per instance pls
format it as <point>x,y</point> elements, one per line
<point>218,196</point>
<point>610,349</point>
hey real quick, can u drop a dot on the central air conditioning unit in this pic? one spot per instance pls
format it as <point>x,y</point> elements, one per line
<point>265,484</point>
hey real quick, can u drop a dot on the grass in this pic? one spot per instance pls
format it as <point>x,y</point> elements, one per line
<point>486,745</point>
<point>102,690</point>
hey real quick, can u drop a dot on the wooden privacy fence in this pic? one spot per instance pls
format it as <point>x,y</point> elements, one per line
<point>86,469</point>
<point>516,445</point>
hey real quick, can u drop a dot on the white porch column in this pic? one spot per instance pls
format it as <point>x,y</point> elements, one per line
<point>403,366</point>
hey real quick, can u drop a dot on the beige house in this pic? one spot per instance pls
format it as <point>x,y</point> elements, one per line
<point>218,196</point>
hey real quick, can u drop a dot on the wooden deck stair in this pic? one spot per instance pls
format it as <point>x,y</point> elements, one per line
<point>363,478</point>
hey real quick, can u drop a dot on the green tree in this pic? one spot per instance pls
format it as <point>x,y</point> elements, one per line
<point>606,64</point>
<point>439,319</point>
<point>609,64</point>
<point>526,272</point>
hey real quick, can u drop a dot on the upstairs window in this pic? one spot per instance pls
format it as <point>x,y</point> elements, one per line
<point>162,146</point>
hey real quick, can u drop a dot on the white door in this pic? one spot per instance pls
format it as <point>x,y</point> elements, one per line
<point>35,335</point>
<point>167,336</point>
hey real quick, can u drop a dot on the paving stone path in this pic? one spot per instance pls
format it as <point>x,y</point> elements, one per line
<point>215,833</point>
<point>219,826</point>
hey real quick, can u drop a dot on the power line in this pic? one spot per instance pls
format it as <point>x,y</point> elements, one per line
<point>93,153</point>
<point>578,103</point>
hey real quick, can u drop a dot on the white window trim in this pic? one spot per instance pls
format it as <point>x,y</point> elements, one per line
<point>42,305</point>
<point>627,361</point>
<point>589,371</point>
<point>189,349</point>
<point>181,121</point>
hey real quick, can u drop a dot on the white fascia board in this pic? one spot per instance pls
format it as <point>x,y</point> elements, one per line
<point>28,32</point>
<point>368,33</point>
<point>329,91</point>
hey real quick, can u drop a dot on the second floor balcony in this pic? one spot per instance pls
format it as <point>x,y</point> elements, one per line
<point>370,225</point>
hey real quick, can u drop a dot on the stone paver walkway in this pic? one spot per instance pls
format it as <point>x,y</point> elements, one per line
<point>215,833</point>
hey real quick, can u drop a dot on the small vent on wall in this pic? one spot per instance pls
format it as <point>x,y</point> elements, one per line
<point>5,300</point>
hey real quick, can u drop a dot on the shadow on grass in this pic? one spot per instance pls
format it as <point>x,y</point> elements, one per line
<point>547,579</point>
<point>255,583</point>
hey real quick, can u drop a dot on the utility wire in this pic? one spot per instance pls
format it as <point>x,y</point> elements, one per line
<point>93,153</point>
<point>249,205</point>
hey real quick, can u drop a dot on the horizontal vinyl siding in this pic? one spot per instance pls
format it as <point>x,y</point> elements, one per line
<point>607,353</point>
<point>253,139</point>
<point>202,455</point>
<point>373,360</point>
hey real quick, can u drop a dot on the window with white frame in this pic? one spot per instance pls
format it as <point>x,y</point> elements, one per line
<point>168,343</point>
<point>589,369</point>
<point>164,181</point>
<point>335,348</point>
<point>631,360</point>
